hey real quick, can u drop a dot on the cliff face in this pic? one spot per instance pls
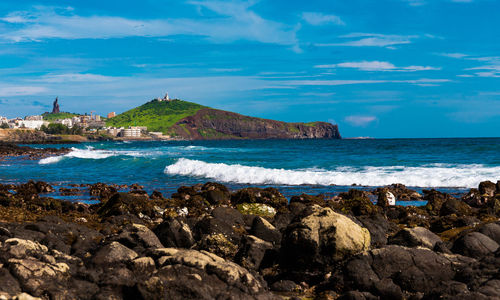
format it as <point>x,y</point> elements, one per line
<point>217,124</point>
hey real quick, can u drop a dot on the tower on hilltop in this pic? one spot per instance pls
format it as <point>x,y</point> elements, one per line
<point>55,108</point>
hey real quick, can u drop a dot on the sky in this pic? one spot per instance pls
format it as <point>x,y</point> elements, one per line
<point>384,69</point>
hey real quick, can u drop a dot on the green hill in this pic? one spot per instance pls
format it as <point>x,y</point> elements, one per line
<point>62,115</point>
<point>191,121</point>
<point>156,115</point>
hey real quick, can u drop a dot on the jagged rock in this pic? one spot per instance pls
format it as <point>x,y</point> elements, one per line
<point>228,215</point>
<point>126,203</point>
<point>475,244</point>
<point>262,229</point>
<point>201,275</point>
<point>35,276</point>
<point>322,237</point>
<point>113,253</point>
<point>487,188</point>
<point>143,265</point>
<point>175,233</point>
<point>19,248</point>
<point>411,269</point>
<point>252,252</point>
<point>138,236</point>
<point>216,193</point>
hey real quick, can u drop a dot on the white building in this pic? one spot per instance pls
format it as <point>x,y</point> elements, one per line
<point>66,122</point>
<point>31,124</point>
<point>132,132</point>
<point>165,98</point>
<point>3,120</point>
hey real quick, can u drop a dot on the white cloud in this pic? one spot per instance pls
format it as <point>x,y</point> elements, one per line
<point>10,91</point>
<point>315,18</point>
<point>454,55</point>
<point>372,40</point>
<point>378,66</point>
<point>351,82</point>
<point>360,121</point>
<point>235,22</point>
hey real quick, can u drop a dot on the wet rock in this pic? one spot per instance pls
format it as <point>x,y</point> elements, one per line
<point>113,253</point>
<point>356,295</point>
<point>155,195</point>
<point>174,232</point>
<point>385,198</point>
<point>487,188</point>
<point>269,196</point>
<point>101,190</point>
<point>322,237</point>
<point>475,244</point>
<point>252,252</point>
<point>435,200</point>
<point>210,225</point>
<point>125,203</point>
<point>262,229</point>
<point>216,193</point>
<point>413,237</point>
<point>202,275</point>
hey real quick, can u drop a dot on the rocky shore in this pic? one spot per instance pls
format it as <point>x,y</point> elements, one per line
<point>13,150</point>
<point>205,242</point>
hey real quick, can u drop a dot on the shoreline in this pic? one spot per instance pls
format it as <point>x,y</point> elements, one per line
<point>206,242</point>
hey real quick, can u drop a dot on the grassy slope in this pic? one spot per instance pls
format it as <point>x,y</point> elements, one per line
<point>53,117</point>
<point>157,116</point>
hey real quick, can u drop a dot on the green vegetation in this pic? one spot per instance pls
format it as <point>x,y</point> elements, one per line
<point>4,126</point>
<point>56,128</point>
<point>62,115</point>
<point>156,115</point>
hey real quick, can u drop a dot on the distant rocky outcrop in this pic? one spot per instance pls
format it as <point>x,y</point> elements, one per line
<point>210,123</point>
<point>191,121</point>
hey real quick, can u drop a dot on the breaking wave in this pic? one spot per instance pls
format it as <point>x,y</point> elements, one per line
<point>435,175</point>
<point>91,153</point>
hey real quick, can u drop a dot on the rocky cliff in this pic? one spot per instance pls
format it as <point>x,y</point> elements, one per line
<point>210,123</point>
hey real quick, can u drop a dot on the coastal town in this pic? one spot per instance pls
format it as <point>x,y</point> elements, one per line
<point>87,124</point>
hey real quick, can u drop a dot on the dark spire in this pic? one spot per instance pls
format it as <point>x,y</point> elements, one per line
<point>55,108</point>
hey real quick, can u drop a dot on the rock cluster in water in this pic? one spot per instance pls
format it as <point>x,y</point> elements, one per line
<point>13,150</point>
<point>206,242</point>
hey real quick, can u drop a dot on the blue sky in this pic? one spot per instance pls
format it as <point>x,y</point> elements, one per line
<point>387,68</point>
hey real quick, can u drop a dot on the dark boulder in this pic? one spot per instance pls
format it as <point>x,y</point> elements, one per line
<point>455,206</point>
<point>413,237</point>
<point>379,227</point>
<point>491,230</point>
<point>252,252</point>
<point>475,244</point>
<point>309,199</point>
<point>129,204</point>
<point>487,188</point>
<point>216,193</point>
<point>262,229</point>
<point>174,232</point>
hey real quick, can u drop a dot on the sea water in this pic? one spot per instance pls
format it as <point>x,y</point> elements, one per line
<point>292,166</point>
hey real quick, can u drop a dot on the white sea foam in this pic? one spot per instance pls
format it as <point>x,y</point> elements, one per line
<point>438,175</point>
<point>91,153</point>
<point>50,160</point>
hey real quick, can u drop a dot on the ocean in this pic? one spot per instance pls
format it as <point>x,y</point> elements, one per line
<point>292,166</point>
